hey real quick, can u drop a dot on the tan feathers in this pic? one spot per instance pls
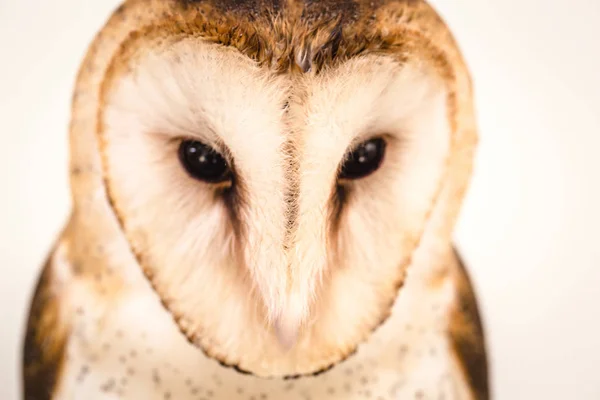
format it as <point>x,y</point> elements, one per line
<point>284,90</point>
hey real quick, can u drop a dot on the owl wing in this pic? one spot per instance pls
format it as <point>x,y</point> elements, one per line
<point>45,340</point>
<point>467,335</point>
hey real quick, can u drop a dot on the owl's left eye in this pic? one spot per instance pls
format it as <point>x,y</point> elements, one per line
<point>363,160</point>
<point>203,162</point>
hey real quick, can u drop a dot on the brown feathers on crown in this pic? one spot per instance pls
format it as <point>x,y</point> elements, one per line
<point>301,36</point>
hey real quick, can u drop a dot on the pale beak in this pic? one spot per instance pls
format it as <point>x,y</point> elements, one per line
<point>286,334</point>
<point>287,325</point>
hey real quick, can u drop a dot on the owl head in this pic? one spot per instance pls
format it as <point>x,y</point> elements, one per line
<point>274,165</point>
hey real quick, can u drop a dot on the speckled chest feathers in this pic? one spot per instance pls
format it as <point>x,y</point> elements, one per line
<point>264,195</point>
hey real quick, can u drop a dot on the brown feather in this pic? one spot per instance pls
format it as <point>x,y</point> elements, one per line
<point>45,341</point>
<point>467,335</point>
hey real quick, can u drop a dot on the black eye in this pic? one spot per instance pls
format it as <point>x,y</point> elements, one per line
<point>203,163</point>
<point>364,159</point>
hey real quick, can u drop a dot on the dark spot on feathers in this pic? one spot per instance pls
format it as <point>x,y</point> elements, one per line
<point>155,377</point>
<point>108,385</point>
<point>77,268</point>
<point>82,373</point>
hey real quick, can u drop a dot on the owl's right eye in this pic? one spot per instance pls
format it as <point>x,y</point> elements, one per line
<point>204,163</point>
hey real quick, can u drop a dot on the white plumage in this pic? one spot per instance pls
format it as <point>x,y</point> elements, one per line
<point>287,265</point>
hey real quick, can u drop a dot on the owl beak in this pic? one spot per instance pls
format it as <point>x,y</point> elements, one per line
<point>286,333</point>
<point>287,325</point>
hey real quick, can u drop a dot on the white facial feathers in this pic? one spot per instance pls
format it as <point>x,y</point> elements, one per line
<point>272,254</point>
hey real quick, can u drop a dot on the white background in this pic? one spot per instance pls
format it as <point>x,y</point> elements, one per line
<point>530,226</point>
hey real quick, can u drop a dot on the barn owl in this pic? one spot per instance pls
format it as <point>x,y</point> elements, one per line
<point>264,194</point>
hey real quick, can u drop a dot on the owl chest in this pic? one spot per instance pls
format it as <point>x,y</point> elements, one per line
<point>137,352</point>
